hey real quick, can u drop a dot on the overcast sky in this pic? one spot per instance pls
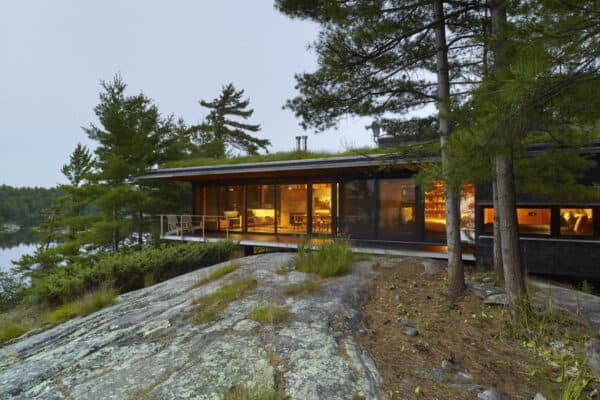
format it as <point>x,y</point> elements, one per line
<point>55,53</point>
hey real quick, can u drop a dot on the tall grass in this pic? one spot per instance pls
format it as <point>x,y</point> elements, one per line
<point>89,303</point>
<point>210,306</point>
<point>331,258</point>
<point>216,274</point>
<point>269,313</point>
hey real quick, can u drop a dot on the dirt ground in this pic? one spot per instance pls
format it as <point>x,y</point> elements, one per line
<point>464,331</point>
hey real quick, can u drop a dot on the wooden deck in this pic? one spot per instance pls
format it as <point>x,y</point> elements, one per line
<point>291,242</point>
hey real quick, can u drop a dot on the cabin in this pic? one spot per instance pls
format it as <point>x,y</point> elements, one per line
<point>372,200</point>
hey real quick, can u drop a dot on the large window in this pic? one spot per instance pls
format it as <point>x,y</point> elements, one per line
<point>532,221</point>
<point>260,212</point>
<point>435,212</point>
<point>359,208</point>
<point>397,211</point>
<point>577,221</point>
<point>321,208</point>
<point>231,207</point>
<point>292,214</point>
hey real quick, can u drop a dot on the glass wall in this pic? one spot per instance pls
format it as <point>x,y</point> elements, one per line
<point>435,212</point>
<point>211,208</point>
<point>576,221</point>
<point>397,211</point>
<point>359,208</point>
<point>230,202</point>
<point>321,208</point>
<point>292,214</point>
<point>260,212</point>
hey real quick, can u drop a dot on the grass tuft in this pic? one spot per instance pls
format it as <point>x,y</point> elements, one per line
<point>12,330</point>
<point>269,313</point>
<point>211,305</point>
<point>89,303</point>
<point>332,258</point>
<point>302,288</point>
<point>216,274</point>
<point>281,270</point>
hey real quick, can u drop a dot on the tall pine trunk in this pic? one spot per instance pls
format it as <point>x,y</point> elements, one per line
<point>456,275</point>
<point>514,274</point>
<point>498,266</point>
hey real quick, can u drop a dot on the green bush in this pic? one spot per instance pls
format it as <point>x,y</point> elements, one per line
<point>331,258</point>
<point>126,271</point>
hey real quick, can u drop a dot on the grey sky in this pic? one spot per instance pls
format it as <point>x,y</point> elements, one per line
<point>54,54</point>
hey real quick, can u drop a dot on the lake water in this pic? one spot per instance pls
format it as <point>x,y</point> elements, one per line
<point>14,253</point>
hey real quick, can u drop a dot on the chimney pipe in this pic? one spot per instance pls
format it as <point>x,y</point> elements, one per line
<point>304,138</point>
<point>298,148</point>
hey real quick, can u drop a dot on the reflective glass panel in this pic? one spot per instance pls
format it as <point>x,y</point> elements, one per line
<point>321,208</point>
<point>292,210</point>
<point>359,208</point>
<point>577,221</point>
<point>396,208</point>
<point>260,212</point>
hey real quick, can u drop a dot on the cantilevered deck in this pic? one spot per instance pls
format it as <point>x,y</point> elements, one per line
<point>196,233</point>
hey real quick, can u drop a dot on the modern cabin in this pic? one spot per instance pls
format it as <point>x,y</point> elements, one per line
<point>372,200</point>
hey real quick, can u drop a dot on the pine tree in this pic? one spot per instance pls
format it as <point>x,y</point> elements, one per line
<point>131,138</point>
<point>219,133</point>
<point>387,58</point>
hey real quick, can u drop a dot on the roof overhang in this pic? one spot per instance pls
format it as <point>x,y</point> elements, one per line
<point>317,166</point>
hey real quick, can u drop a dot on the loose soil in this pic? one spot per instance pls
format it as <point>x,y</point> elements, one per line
<point>465,331</point>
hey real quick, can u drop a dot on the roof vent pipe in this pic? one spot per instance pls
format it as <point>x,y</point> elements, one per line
<point>298,148</point>
<point>304,138</point>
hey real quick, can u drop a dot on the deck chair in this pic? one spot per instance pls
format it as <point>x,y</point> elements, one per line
<point>173,227</point>
<point>188,225</point>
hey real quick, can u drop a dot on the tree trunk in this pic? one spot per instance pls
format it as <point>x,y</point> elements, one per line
<point>498,267</point>
<point>514,275</point>
<point>141,231</point>
<point>456,275</point>
<point>514,279</point>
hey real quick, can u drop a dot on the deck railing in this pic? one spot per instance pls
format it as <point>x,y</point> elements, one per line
<point>182,224</point>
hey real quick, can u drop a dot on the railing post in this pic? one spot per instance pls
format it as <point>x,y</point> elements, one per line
<point>181,226</point>
<point>161,225</point>
<point>203,228</point>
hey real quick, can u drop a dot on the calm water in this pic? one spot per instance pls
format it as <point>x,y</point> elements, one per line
<point>14,253</point>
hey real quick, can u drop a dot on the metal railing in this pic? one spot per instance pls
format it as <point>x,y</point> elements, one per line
<point>182,224</point>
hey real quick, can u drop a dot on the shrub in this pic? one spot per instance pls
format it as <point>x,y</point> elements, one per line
<point>15,323</point>
<point>332,258</point>
<point>269,313</point>
<point>216,274</point>
<point>211,305</point>
<point>128,271</point>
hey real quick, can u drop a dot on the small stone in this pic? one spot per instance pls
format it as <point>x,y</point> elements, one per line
<point>594,393</point>
<point>397,297</point>
<point>539,396</point>
<point>496,299</point>
<point>428,297</point>
<point>387,321</point>
<point>411,332</point>
<point>592,352</point>
<point>463,376</point>
<point>447,364</point>
<point>362,331</point>
<point>490,394</point>
<point>392,287</point>
<point>406,322</point>
<point>487,279</point>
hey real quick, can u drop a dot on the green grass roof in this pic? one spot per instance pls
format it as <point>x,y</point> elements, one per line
<point>421,150</point>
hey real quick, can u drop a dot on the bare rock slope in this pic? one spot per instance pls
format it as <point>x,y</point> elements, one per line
<point>144,346</point>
